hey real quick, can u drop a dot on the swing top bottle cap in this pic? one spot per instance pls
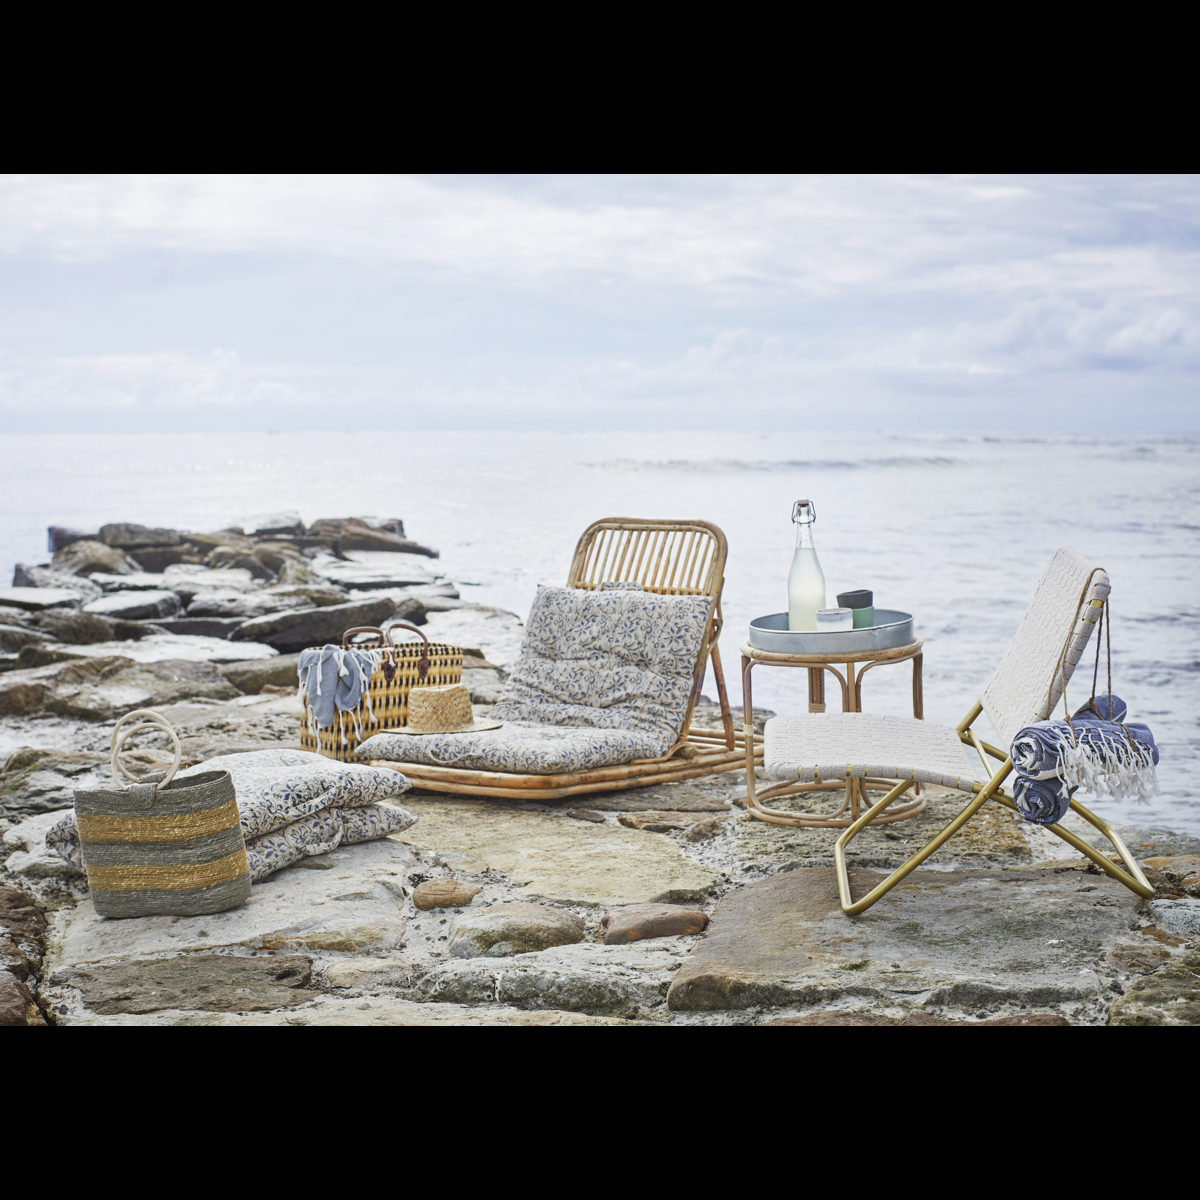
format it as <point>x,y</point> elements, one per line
<point>804,511</point>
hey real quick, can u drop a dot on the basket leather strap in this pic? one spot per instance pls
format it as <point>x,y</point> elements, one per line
<point>388,641</point>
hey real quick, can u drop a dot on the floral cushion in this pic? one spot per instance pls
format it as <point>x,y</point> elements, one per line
<point>526,749</point>
<point>292,804</point>
<point>604,677</point>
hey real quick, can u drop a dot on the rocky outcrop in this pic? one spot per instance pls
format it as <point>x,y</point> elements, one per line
<point>974,939</point>
<point>100,689</point>
<point>291,631</point>
<point>1169,996</point>
<point>129,537</point>
<point>13,639</point>
<point>204,982</point>
<point>40,781</point>
<point>76,628</point>
<point>22,946</point>
<point>82,558</point>
<point>42,577</point>
<point>251,677</point>
<point>31,599</point>
<point>135,606</point>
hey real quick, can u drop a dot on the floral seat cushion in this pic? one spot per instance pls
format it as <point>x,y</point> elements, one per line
<point>604,677</point>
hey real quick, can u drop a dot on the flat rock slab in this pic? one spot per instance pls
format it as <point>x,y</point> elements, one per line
<point>189,647</point>
<point>825,1020</point>
<point>941,938</point>
<point>549,856</point>
<point>34,599</point>
<point>375,1011</point>
<point>715,795</point>
<point>991,836</point>
<point>355,905</point>
<point>211,982</point>
<point>586,976</point>
<point>1170,996</point>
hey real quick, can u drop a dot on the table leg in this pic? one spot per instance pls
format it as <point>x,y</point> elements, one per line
<point>816,689</point>
<point>748,728</point>
<point>918,688</point>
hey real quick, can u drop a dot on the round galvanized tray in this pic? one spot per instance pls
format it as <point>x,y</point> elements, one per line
<point>891,629</point>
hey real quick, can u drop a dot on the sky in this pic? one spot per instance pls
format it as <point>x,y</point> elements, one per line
<point>1018,305</point>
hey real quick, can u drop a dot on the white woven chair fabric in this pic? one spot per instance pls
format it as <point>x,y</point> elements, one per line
<point>824,746</point>
<point>1017,694</point>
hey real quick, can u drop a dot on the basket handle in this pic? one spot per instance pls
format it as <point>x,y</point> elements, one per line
<point>386,639</point>
<point>156,721</point>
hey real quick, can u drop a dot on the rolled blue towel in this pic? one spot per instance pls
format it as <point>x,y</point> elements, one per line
<point>1108,708</point>
<point>1037,750</point>
<point>1042,801</point>
<point>335,680</point>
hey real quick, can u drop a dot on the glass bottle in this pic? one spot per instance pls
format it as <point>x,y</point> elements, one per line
<point>806,580</point>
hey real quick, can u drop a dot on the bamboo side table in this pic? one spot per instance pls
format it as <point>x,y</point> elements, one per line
<point>851,682</point>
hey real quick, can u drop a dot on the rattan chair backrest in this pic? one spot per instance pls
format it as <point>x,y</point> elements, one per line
<point>1030,679</point>
<point>675,558</point>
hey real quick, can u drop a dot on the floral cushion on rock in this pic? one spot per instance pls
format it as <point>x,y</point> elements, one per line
<point>292,804</point>
<point>604,677</point>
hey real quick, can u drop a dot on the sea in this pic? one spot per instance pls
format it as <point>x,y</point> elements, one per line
<point>954,529</point>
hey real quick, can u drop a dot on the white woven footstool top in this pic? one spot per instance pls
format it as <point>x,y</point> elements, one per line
<point>823,746</point>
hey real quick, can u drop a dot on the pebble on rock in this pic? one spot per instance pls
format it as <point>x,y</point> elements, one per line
<point>638,921</point>
<point>444,893</point>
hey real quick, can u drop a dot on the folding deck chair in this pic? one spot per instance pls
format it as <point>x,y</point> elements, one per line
<point>1031,678</point>
<point>666,558</point>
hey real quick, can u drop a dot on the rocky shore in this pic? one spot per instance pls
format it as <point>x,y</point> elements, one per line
<point>660,906</point>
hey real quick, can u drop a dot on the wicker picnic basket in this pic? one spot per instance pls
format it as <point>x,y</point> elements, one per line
<point>161,846</point>
<point>405,665</point>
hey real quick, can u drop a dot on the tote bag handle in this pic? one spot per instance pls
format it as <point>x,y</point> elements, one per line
<point>388,640</point>
<point>119,738</point>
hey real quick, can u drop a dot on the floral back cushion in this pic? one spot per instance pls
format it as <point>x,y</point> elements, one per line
<point>617,658</point>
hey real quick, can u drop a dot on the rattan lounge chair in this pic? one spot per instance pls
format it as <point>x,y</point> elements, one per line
<point>1026,687</point>
<point>666,558</point>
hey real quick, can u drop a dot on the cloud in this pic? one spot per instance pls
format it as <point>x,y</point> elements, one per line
<point>346,299</point>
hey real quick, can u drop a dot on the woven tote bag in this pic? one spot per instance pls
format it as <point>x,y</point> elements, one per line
<point>161,846</point>
<point>404,665</point>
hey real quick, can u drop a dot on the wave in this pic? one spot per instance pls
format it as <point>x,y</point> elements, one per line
<point>723,465</point>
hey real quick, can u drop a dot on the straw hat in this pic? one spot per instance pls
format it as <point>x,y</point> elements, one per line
<point>445,709</point>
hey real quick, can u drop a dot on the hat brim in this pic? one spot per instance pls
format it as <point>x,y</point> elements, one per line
<point>474,727</point>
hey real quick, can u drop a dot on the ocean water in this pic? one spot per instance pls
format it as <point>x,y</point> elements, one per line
<point>955,529</point>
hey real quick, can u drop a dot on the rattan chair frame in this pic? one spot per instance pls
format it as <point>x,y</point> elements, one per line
<point>672,558</point>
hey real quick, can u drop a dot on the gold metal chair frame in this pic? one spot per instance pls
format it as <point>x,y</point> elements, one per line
<point>1133,879</point>
<point>855,789</point>
<point>672,558</point>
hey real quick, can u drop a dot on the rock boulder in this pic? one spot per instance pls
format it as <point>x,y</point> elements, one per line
<point>128,537</point>
<point>83,558</point>
<point>507,929</point>
<point>42,577</point>
<point>135,606</point>
<point>291,631</point>
<point>251,677</point>
<point>34,599</point>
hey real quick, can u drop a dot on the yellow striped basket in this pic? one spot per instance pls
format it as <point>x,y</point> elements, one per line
<point>162,846</point>
<point>405,665</point>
